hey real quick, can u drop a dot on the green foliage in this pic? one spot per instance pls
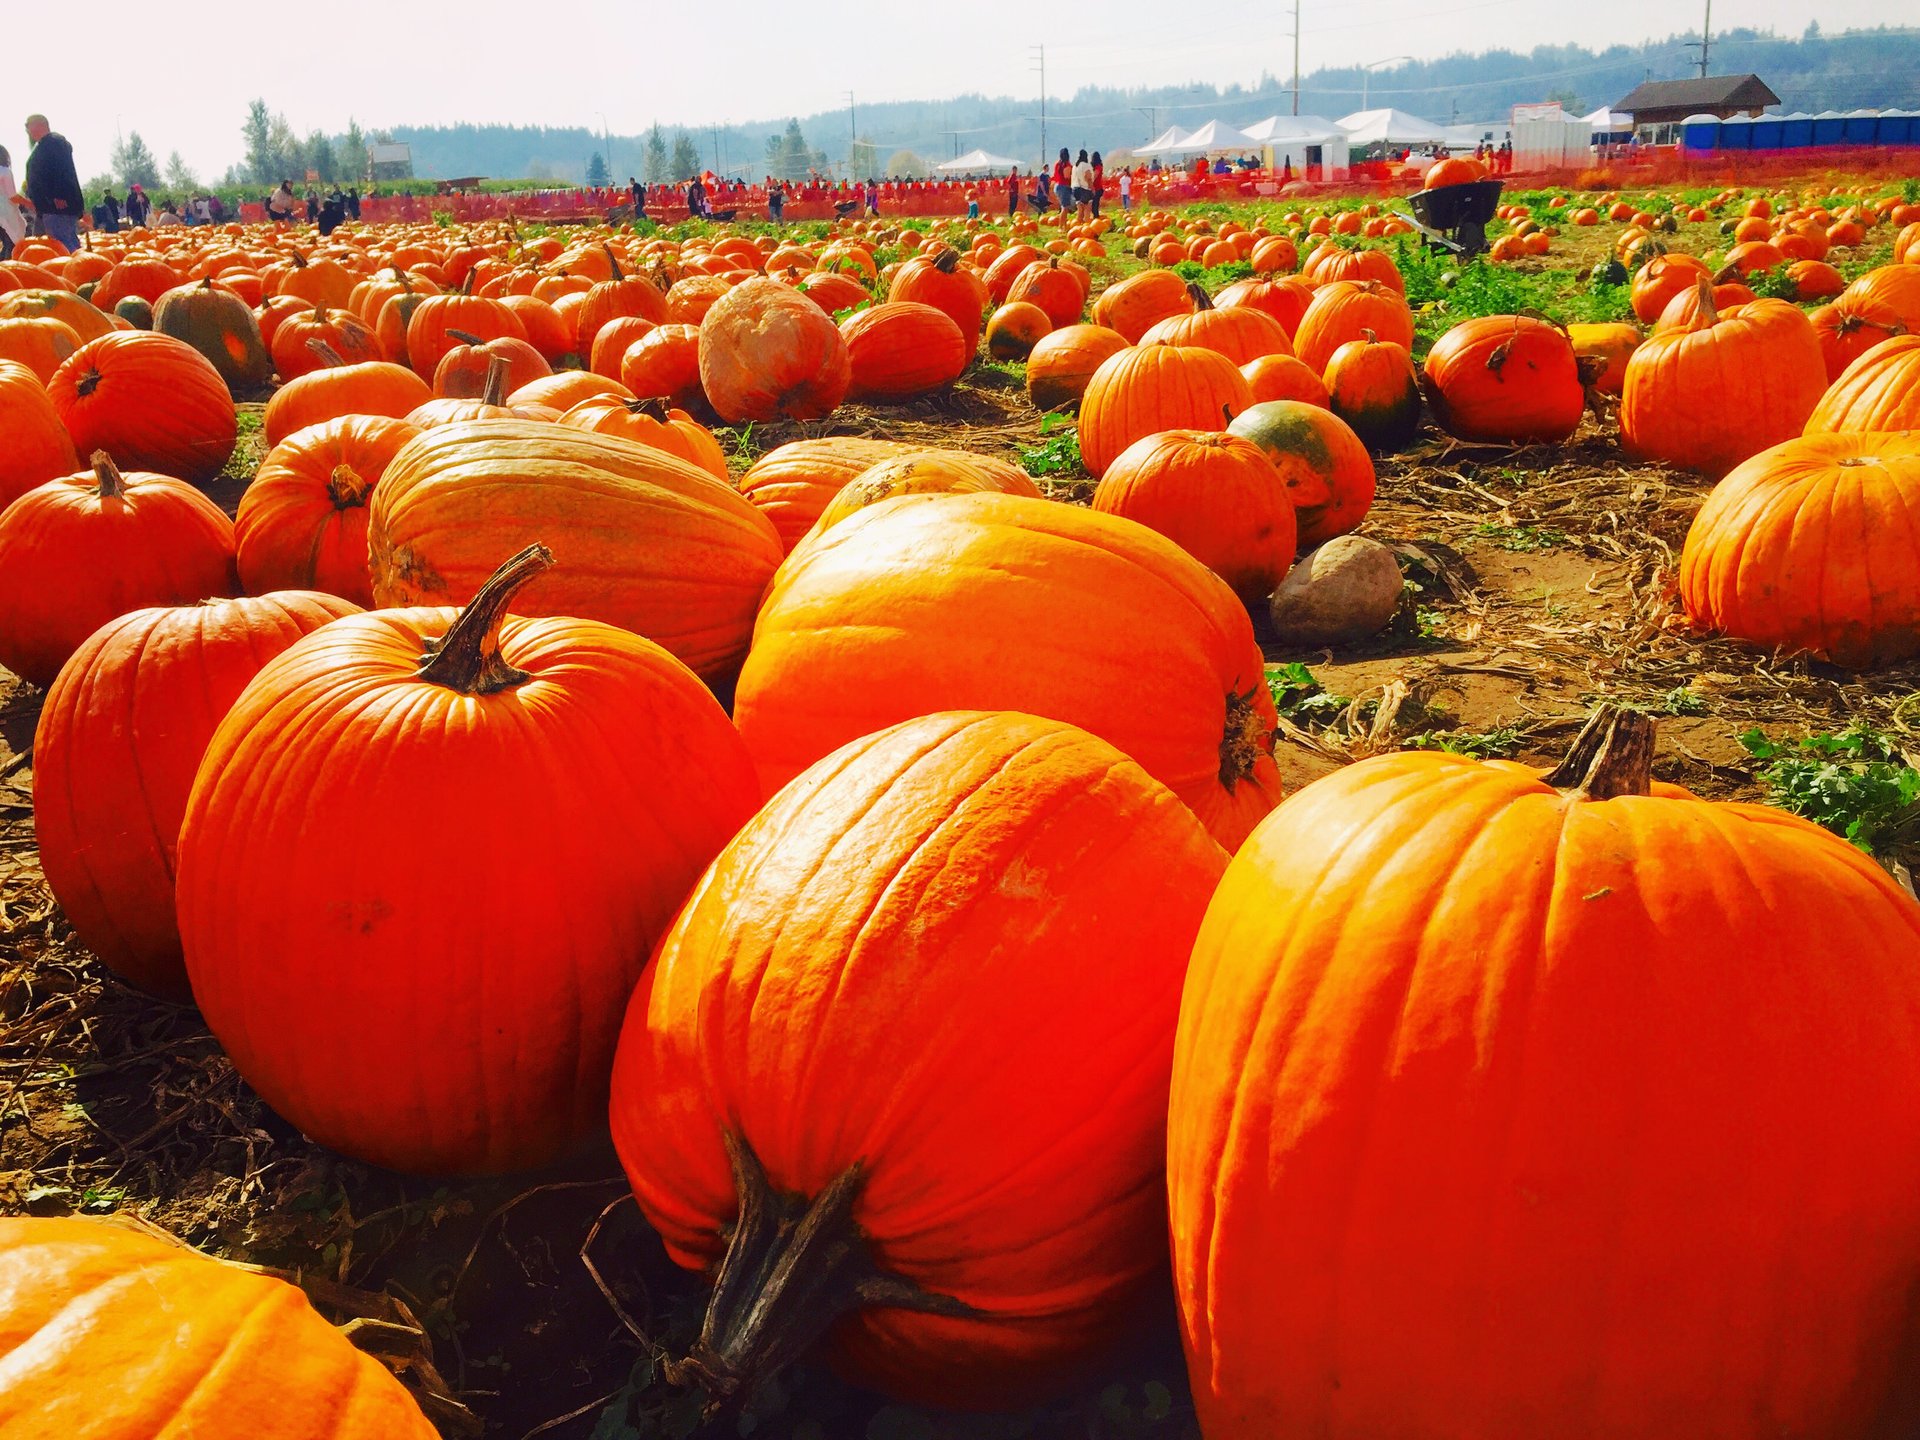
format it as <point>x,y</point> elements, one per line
<point>1216,278</point>
<point>1772,284</point>
<point>685,163</point>
<point>1298,695</point>
<point>133,163</point>
<point>1495,744</point>
<point>656,165</point>
<point>597,169</point>
<point>1683,700</point>
<point>1521,538</point>
<point>1059,454</point>
<point>1858,784</point>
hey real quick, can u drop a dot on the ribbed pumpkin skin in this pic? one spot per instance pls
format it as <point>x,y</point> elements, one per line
<point>664,364</point>
<point>218,324</point>
<point>565,389</point>
<point>462,371</point>
<point>349,337</point>
<point>1285,299</point>
<point>430,327</point>
<point>902,349</point>
<point>1242,333</point>
<point>119,739</point>
<point>1344,310</point>
<point>1217,497</point>
<point>793,485</point>
<point>1813,546</point>
<point>942,282</point>
<point>1002,602</point>
<point>1371,385</point>
<point>1491,1115</point>
<point>71,560</point>
<point>375,388</point>
<point>1705,399</point>
<point>88,322</point>
<point>445,994</point>
<point>1283,377</point>
<point>1662,278</point>
<point>1328,473</point>
<point>1511,379</point>
<point>37,447</point>
<point>769,353</point>
<point>150,401</point>
<point>109,1334</point>
<point>1140,301</point>
<point>924,472</point>
<point>1878,391</point>
<point>39,344</point>
<point>302,523</point>
<point>673,431</point>
<point>873,920</point>
<point>641,538</point>
<point>1150,388</point>
<point>1063,361</point>
<point>1052,288</point>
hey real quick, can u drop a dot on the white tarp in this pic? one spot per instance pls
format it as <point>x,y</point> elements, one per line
<point>1302,141</point>
<point>1610,122</point>
<point>1314,129</point>
<point>1217,135</point>
<point>976,161</point>
<point>1552,144</point>
<point>1167,142</point>
<point>1394,127</point>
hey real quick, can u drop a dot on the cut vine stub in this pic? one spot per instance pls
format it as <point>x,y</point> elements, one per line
<point>793,1267</point>
<point>1610,757</point>
<point>467,658</point>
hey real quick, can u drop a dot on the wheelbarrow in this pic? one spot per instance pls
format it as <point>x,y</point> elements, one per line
<point>1455,217</point>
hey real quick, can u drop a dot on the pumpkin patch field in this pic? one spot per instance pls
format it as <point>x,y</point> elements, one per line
<point>1202,823</point>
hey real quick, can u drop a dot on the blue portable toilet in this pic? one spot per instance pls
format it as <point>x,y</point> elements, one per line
<point>1862,127</point>
<point>1897,128</point>
<point>1796,130</point>
<point>1736,132</point>
<point>1829,128</point>
<point>1767,132</point>
<point>1700,134</point>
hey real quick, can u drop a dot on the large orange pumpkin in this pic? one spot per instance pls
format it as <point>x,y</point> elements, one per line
<point>79,551</point>
<point>1508,378</point>
<point>984,908</point>
<point>374,387</point>
<point>1242,333</point>
<point>107,1333</point>
<point>150,401</point>
<point>1285,299</point>
<point>1136,304</point>
<point>36,447</point>
<point>859,631</point>
<point>1345,310</point>
<point>793,484</point>
<point>664,364</point>
<point>1878,391</point>
<point>1491,1114</point>
<point>40,344</point>
<point>1813,545</point>
<point>445,993</point>
<point>617,296</point>
<point>644,539</point>
<point>1371,385</point>
<point>1149,388</point>
<point>119,739</point>
<point>901,349</point>
<point>1061,363</point>
<point>1328,473</point>
<point>1662,278</point>
<point>769,353</point>
<point>940,280</point>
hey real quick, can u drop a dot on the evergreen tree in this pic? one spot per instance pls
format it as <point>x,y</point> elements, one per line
<point>597,170</point>
<point>258,135</point>
<point>658,171</point>
<point>320,157</point>
<point>289,157</point>
<point>133,163</point>
<point>179,175</point>
<point>906,162</point>
<point>686,157</point>
<point>352,159</point>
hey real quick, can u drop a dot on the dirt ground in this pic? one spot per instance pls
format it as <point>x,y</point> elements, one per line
<point>541,1304</point>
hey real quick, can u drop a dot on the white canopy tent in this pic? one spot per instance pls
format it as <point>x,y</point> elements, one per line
<point>1168,142</point>
<point>1391,127</point>
<point>1302,141</point>
<point>1610,122</point>
<point>975,162</point>
<point>1213,136</point>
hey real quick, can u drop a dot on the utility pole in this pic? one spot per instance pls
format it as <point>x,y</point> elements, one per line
<point>1152,112</point>
<point>1040,52</point>
<point>853,131</point>
<point>716,150</point>
<point>1706,38</point>
<point>1296,57</point>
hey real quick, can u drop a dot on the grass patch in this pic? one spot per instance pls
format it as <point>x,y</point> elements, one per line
<point>1857,783</point>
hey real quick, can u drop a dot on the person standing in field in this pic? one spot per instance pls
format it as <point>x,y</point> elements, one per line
<point>53,186</point>
<point>1099,185</point>
<point>1063,180</point>
<point>1013,192</point>
<point>13,214</point>
<point>1126,191</point>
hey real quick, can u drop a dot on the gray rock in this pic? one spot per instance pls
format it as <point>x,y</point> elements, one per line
<point>1347,589</point>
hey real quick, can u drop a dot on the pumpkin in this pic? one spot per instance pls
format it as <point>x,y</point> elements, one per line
<point>1062,362</point>
<point>1328,473</point>
<point>1814,280</point>
<point>547,331</point>
<point>1455,170</point>
<point>1512,379</point>
<point>85,320</point>
<point>1216,496</point>
<point>1242,333</point>
<point>924,472</point>
<point>664,364</point>
<point>141,277</point>
<point>1284,377</point>
<point>462,371</point>
<point>1811,546</point>
<point>1344,310</point>
<point>645,540</point>
<point>902,349</point>
<point>650,423</point>
<point>1371,385</point>
<point>1463,1039</point>
<point>37,447</point>
<point>1662,278</point>
<point>793,484</point>
<point>1149,388</point>
<point>1676,408</point>
<point>1334,262</point>
<point>320,282</point>
<point>302,523</point>
<point>1049,285</point>
<point>1605,349</point>
<point>940,280</point>
<point>219,325</point>
<point>79,551</point>
<point>1014,329</point>
<point>769,353</point>
<point>833,293</point>
<point>859,631</point>
<point>618,295</point>
<point>110,1332</point>
<point>149,400</point>
<point>616,337</point>
<point>885,912</point>
<point>373,387</point>
<point>339,330</point>
<point>691,296</point>
<point>564,389</point>
<point>1008,267</point>
<point>432,321</point>
<point>1135,305</point>
<point>119,739</point>
<point>559,761</point>
<point>1878,391</point>
<point>38,344</point>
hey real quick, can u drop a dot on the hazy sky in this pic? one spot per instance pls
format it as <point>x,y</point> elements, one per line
<point>182,77</point>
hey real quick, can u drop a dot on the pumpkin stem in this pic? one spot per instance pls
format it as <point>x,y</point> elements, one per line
<point>347,488</point>
<point>1708,311</point>
<point>467,658</point>
<point>793,1267</point>
<point>494,392</point>
<point>947,261</point>
<point>88,382</point>
<point>466,285</point>
<point>466,337</point>
<point>1197,293</point>
<point>1245,739</point>
<point>651,405</point>
<point>614,261</point>
<point>112,483</point>
<point>329,356</point>
<point>1611,756</point>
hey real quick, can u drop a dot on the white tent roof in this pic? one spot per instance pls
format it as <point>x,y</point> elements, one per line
<point>1607,120</point>
<point>1701,119</point>
<point>1309,129</point>
<point>1395,127</point>
<point>978,160</point>
<point>1166,142</point>
<point>1215,135</point>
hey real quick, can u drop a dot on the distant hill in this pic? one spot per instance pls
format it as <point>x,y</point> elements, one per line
<point>1813,72</point>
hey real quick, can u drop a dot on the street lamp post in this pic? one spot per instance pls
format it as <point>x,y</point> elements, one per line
<point>1366,74</point>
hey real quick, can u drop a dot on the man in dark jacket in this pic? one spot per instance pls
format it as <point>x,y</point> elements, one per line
<point>52,184</point>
